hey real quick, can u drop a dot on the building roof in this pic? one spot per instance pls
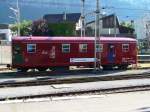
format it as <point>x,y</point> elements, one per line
<point>4,26</point>
<point>58,18</point>
<point>60,39</point>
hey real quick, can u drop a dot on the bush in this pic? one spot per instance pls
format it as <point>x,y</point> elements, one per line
<point>25,28</point>
<point>40,28</point>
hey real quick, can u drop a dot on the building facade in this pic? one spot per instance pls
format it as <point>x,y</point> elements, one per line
<point>109,26</point>
<point>5,33</point>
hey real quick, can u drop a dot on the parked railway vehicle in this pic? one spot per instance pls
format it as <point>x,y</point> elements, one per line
<point>61,52</point>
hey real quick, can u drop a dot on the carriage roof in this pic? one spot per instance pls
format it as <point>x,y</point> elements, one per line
<point>40,38</point>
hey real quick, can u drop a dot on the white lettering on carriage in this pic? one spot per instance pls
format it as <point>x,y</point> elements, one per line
<point>75,60</point>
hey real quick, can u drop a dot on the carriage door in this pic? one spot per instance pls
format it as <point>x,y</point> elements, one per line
<point>111,53</point>
<point>17,54</point>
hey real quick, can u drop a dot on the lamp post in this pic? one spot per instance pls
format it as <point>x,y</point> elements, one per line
<point>16,12</point>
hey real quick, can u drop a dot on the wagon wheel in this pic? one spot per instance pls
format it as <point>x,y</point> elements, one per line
<point>107,67</point>
<point>123,67</point>
<point>59,68</point>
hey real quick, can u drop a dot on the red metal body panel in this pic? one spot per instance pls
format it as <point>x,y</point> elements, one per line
<point>49,51</point>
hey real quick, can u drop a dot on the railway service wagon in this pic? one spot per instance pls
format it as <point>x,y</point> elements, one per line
<point>61,52</point>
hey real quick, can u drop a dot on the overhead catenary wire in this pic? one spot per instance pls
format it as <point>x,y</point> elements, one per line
<point>74,4</point>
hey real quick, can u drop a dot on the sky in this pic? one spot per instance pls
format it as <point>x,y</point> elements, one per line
<point>35,9</point>
<point>137,3</point>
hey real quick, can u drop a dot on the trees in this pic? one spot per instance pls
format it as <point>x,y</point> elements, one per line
<point>62,29</point>
<point>127,28</point>
<point>25,28</point>
<point>40,28</point>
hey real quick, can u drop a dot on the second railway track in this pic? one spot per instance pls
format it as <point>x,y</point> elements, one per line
<point>60,80</point>
<point>76,93</point>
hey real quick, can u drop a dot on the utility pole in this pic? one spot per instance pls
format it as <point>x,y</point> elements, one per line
<point>16,12</point>
<point>115,24</point>
<point>18,17</point>
<point>82,18</point>
<point>97,32</point>
<point>148,33</point>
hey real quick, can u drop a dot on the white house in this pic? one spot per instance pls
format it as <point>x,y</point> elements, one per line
<point>5,33</point>
<point>109,25</point>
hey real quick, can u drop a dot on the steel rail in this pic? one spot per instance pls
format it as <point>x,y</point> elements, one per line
<point>81,92</point>
<point>48,81</point>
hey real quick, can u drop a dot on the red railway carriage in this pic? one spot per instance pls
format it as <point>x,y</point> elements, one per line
<point>56,52</point>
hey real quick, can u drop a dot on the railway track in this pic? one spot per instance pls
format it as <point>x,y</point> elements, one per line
<point>51,82</point>
<point>77,93</point>
<point>92,78</point>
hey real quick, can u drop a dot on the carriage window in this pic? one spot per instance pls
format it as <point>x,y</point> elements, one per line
<point>99,47</point>
<point>125,47</point>
<point>83,48</point>
<point>31,48</point>
<point>17,49</point>
<point>66,48</point>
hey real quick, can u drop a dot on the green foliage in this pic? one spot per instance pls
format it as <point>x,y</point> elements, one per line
<point>42,28</point>
<point>126,27</point>
<point>25,28</point>
<point>14,28</point>
<point>62,29</point>
<point>127,24</point>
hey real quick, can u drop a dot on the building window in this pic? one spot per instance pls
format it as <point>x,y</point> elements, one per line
<point>125,47</point>
<point>31,48</point>
<point>83,48</point>
<point>3,36</point>
<point>66,48</point>
<point>99,47</point>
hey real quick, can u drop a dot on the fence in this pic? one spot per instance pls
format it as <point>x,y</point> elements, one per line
<point>5,52</point>
<point>144,58</point>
